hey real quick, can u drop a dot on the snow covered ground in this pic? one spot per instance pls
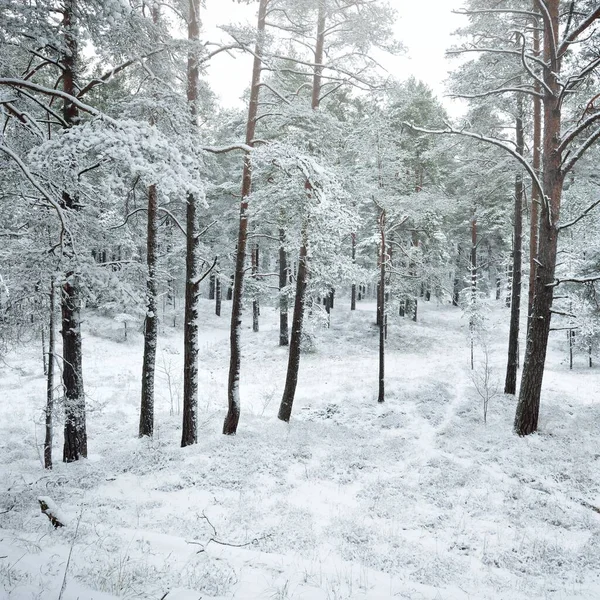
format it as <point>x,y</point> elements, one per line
<point>413,499</point>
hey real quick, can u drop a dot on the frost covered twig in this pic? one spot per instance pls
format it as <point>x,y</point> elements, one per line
<point>214,539</point>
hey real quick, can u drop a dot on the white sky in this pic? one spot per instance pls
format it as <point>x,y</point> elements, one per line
<point>423,26</point>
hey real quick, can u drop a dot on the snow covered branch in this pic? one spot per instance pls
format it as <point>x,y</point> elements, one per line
<point>489,140</point>
<point>581,216</point>
<point>34,182</point>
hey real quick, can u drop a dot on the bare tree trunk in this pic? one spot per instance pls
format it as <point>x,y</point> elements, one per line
<point>189,434</point>
<point>510,384</point>
<point>75,438</point>
<point>50,380</point>
<point>151,320</point>
<point>285,408</point>
<point>353,290</point>
<point>381,308</point>
<point>255,303</point>
<point>535,194</point>
<point>528,406</point>
<point>457,278</point>
<point>218,293</point>
<point>233,386</point>
<point>211,286</point>
<point>146,427</point>
<point>283,301</point>
<point>473,283</point>
<point>75,446</point>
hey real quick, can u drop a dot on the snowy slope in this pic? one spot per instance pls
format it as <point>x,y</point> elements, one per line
<point>415,498</point>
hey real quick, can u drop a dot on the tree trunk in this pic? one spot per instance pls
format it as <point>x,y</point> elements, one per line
<point>510,384</point>
<point>189,434</point>
<point>381,309</point>
<point>50,381</point>
<point>535,194</point>
<point>473,283</point>
<point>218,293</point>
<point>285,409</point>
<point>75,446</point>
<point>457,278</point>
<point>353,290</point>
<point>233,385</point>
<point>255,302</point>
<point>283,301</point>
<point>151,321</point>
<point>528,407</point>
<point>211,286</point>
<point>75,442</point>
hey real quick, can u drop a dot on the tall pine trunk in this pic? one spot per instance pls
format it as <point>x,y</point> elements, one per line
<point>381,309</point>
<point>146,427</point>
<point>473,262</point>
<point>50,380</point>
<point>510,384</point>
<point>528,406</point>
<point>75,435</point>
<point>151,321</point>
<point>283,282</point>
<point>255,301</point>
<point>535,193</point>
<point>353,289</point>
<point>285,409</point>
<point>189,434</point>
<point>233,385</point>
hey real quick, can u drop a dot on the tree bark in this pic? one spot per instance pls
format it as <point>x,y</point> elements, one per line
<point>233,385</point>
<point>151,321</point>
<point>75,438</point>
<point>218,294</point>
<point>255,302</point>
<point>353,289</point>
<point>285,408</point>
<point>381,309</point>
<point>50,380</point>
<point>283,282</point>
<point>146,427</point>
<point>473,282</point>
<point>189,434</point>
<point>510,384</point>
<point>535,194</point>
<point>528,406</point>
<point>457,278</point>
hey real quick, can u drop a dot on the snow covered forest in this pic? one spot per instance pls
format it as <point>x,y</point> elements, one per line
<point>337,341</point>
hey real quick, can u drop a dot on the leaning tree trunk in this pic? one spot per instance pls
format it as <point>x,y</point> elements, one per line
<point>528,406</point>
<point>285,409</point>
<point>50,380</point>
<point>75,438</point>
<point>189,434</point>
<point>510,384</point>
<point>151,320</point>
<point>233,385</point>
<point>283,282</point>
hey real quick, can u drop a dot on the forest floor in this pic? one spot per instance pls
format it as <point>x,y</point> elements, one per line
<point>415,498</point>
